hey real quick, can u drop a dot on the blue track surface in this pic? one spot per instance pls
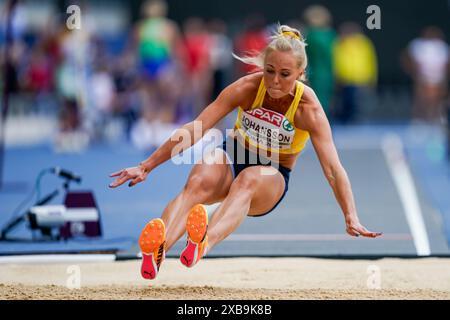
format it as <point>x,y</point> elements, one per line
<point>125,210</point>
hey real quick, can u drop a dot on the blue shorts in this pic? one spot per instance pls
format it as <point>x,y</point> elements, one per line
<point>241,158</point>
<point>151,68</point>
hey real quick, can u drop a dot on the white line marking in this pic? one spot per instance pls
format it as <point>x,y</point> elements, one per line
<point>311,237</point>
<point>57,258</point>
<point>393,151</point>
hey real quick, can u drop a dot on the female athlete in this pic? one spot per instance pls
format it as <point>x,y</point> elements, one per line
<point>277,114</point>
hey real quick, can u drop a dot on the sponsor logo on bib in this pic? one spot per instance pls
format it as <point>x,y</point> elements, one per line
<point>267,128</point>
<point>287,125</point>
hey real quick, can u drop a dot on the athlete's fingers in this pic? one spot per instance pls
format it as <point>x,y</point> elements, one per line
<point>117,173</point>
<point>116,183</point>
<point>136,181</point>
<point>366,233</point>
<point>119,181</point>
<point>372,234</point>
<point>352,232</point>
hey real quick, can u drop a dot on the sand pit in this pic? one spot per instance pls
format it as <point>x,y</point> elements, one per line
<point>233,278</point>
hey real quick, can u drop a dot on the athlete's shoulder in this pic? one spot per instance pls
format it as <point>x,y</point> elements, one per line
<point>309,99</point>
<point>244,89</point>
<point>309,111</point>
<point>250,82</point>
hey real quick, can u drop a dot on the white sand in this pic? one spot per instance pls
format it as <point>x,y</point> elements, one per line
<point>233,278</point>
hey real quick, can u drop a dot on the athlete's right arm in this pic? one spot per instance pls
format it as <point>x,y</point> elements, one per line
<point>236,94</point>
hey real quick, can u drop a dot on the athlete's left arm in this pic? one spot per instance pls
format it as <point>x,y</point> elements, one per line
<point>311,117</point>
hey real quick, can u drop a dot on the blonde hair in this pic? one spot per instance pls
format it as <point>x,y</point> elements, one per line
<point>284,39</point>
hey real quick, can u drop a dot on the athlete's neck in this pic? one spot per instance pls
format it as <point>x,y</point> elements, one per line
<point>288,96</point>
<point>283,99</point>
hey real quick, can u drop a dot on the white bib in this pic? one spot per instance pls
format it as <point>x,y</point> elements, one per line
<point>268,129</point>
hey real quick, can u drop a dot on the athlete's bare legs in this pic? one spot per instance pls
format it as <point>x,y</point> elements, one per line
<point>255,191</point>
<point>206,184</point>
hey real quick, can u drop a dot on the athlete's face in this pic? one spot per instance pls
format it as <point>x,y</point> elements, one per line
<point>280,72</point>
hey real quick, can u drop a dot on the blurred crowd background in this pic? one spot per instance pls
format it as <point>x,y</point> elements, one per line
<point>136,70</point>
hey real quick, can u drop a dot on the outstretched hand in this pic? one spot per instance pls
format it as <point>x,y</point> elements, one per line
<point>356,229</point>
<point>135,174</point>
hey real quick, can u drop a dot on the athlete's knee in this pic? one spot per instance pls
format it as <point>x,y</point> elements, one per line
<point>200,184</point>
<point>246,181</point>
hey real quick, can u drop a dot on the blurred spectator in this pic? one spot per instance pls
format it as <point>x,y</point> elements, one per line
<point>102,95</point>
<point>69,116</point>
<point>427,62</point>
<point>66,79</point>
<point>40,73</point>
<point>156,38</point>
<point>448,129</point>
<point>198,44</point>
<point>10,61</point>
<point>356,68</point>
<point>2,68</point>
<point>126,102</point>
<point>320,38</point>
<point>158,43</point>
<point>251,41</point>
<point>220,54</point>
<point>10,68</point>
<point>73,88</point>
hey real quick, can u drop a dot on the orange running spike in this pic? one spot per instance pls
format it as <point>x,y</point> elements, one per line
<point>152,244</point>
<point>197,242</point>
